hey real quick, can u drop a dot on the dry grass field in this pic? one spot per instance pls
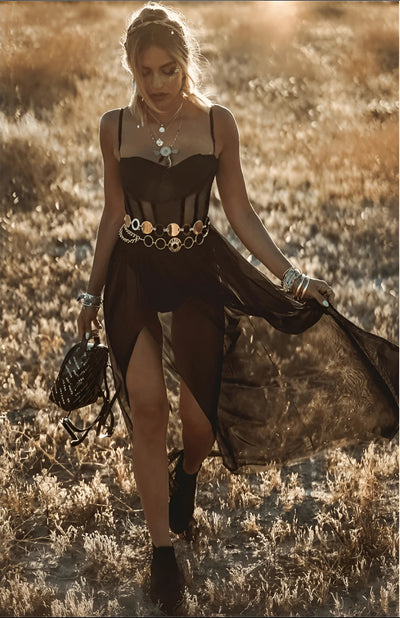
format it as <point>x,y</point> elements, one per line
<point>314,87</point>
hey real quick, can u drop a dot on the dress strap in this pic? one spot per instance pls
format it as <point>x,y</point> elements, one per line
<point>212,127</point>
<point>121,111</point>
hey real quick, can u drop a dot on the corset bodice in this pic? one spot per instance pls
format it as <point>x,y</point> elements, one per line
<point>161,194</point>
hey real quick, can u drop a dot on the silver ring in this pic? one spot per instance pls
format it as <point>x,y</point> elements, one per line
<point>135,224</point>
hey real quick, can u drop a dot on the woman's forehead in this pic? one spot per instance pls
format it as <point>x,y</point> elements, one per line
<point>155,56</point>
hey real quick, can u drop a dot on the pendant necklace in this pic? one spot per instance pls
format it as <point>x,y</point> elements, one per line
<point>165,152</point>
<point>163,125</point>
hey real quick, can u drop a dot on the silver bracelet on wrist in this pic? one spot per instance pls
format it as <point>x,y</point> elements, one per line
<point>89,300</point>
<point>289,277</point>
<point>300,287</point>
<point>297,285</point>
<point>303,291</point>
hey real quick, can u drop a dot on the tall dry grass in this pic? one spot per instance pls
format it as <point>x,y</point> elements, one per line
<point>314,87</point>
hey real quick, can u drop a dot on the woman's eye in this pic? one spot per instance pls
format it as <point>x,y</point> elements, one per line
<point>171,70</point>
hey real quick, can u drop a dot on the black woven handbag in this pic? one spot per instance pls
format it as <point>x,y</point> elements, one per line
<point>81,381</point>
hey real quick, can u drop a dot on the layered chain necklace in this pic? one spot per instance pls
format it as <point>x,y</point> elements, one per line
<point>165,152</point>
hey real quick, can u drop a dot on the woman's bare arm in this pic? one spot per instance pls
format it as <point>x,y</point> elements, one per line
<point>111,219</point>
<point>239,211</point>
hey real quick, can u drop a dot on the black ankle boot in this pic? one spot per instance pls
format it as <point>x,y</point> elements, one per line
<point>166,585</point>
<point>182,497</point>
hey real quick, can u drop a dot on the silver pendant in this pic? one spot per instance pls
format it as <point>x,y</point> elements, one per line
<point>159,142</point>
<point>165,151</point>
<point>165,154</point>
<point>161,129</point>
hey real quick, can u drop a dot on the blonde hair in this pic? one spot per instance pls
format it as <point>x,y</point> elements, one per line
<point>163,27</point>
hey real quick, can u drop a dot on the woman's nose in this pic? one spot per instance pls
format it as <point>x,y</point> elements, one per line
<point>158,81</point>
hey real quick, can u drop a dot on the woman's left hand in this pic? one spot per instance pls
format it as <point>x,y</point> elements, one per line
<point>321,291</point>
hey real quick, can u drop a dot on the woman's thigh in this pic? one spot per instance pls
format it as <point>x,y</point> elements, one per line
<point>197,339</point>
<point>145,382</point>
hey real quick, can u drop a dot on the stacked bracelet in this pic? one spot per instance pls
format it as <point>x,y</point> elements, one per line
<point>300,286</point>
<point>89,300</point>
<point>295,282</point>
<point>289,277</point>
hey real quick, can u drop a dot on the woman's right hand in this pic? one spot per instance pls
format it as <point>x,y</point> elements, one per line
<point>88,322</point>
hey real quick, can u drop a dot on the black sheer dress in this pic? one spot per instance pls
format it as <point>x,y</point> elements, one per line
<point>277,379</point>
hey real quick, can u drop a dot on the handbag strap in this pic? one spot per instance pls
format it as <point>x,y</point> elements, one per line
<point>100,420</point>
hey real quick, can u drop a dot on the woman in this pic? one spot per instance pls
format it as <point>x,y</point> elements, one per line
<point>175,291</point>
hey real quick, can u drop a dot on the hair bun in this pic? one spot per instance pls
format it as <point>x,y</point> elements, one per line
<point>147,15</point>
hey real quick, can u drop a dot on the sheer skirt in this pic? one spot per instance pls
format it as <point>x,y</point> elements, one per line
<point>278,380</point>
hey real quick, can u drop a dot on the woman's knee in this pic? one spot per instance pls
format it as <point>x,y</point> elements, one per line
<point>149,416</point>
<point>146,388</point>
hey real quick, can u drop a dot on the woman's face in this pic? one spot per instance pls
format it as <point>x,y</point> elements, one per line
<point>162,78</point>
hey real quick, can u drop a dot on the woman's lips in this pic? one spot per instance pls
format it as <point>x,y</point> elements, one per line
<point>159,97</point>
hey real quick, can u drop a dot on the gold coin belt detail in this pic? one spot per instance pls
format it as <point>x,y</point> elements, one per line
<point>153,234</point>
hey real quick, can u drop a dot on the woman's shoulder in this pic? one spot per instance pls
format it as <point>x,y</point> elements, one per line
<point>110,118</point>
<point>224,123</point>
<point>223,118</point>
<point>221,112</point>
<point>109,123</point>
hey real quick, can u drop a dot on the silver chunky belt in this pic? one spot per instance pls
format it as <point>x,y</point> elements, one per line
<point>153,235</point>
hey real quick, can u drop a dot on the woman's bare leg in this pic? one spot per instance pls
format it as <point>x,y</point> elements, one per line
<point>149,406</point>
<point>197,341</point>
<point>197,433</point>
<point>198,439</point>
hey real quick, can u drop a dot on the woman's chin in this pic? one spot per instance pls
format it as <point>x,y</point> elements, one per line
<point>166,103</point>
